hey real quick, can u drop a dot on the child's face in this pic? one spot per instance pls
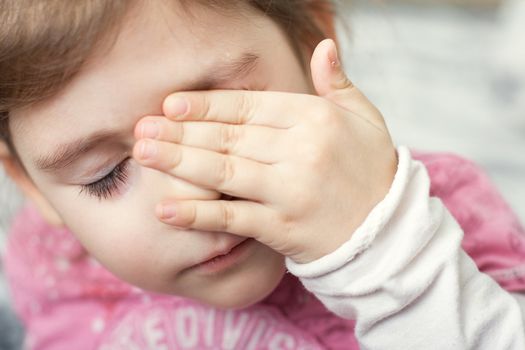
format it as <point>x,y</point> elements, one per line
<point>159,51</point>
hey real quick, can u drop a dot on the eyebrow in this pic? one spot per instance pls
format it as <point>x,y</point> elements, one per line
<point>67,153</point>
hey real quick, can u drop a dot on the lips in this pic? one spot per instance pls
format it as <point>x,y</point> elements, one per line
<point>220,263</point>
<point>221,252</point>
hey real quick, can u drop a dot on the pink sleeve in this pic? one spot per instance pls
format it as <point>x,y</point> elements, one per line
<point>494,237</point>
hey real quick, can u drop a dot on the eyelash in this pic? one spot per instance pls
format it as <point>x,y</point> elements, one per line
<point>107,186</point>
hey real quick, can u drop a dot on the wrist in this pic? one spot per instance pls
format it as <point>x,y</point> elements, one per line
<point>362,234</point>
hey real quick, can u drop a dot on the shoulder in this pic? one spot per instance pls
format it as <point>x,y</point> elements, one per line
<point>466,190</point>
<point>494,237</point>
<point>450,172</point>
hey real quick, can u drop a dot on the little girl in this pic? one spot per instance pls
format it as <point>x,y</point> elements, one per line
<point>179,156</point>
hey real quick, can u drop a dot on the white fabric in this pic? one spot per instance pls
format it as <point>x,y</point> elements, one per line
<point>520,298</point>
<point>406,280</point>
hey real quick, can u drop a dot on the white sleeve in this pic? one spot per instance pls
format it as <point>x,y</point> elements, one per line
<point>520,298</point>
<point>406,280</point>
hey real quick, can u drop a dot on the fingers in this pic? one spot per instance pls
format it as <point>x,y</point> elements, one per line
<point>259,143</point>
<point>243,218</point>
<point>332,83</point>
<point>232,175</point>
<point>328,75</point>
<point>267,108</point>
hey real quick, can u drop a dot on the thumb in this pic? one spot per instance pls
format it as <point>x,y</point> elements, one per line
<point>331,82</point>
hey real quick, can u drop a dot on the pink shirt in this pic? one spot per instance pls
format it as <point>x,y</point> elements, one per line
<point>68,301</point>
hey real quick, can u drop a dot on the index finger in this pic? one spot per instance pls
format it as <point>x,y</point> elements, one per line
<point>267,108</point>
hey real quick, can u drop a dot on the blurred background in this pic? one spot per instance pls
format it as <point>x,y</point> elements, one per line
<point>448,75</point>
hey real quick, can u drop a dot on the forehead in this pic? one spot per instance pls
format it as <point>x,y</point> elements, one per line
<point>159,48</point>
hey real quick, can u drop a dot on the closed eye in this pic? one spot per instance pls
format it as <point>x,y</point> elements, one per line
<point>109,185</point>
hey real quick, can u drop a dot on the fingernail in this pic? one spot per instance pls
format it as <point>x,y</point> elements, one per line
<point>165,211</point>
<point>147,149</point>
<point>176,106</point>
<point>150,130</point>
<point>333,56</point>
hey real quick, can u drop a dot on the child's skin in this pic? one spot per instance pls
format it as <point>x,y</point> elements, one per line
<point>310,168</point>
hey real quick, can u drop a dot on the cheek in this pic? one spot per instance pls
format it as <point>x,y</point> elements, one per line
<point>121,234</point>
<point>122,243</point>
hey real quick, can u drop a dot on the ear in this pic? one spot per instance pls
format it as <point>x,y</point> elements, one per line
<point>15,171</point>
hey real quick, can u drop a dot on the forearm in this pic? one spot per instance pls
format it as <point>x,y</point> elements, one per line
<point>520,298</point>
<point>406,280</point>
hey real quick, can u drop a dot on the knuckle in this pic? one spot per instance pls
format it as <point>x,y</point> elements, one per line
<point>286,219</point>
<point>227,215</point>
<point>314,154</point>
<point>226,172</point>
<point>175,158</point>
<point>205,105</point>
<point>324,113</point>
<point>246,107</point>
<point>301,204</point>
<point>180,132</point>
<point>228,139</point>
<point>171,131</point>
<point>342,82</point>
<point>190,215</point>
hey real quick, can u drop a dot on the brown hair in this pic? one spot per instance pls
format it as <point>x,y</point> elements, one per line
<point>43,44</point>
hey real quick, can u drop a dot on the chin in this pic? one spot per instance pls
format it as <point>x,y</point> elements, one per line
<point>246,295</point>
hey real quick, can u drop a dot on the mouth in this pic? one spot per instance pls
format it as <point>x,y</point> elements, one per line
<point>226,258</point>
